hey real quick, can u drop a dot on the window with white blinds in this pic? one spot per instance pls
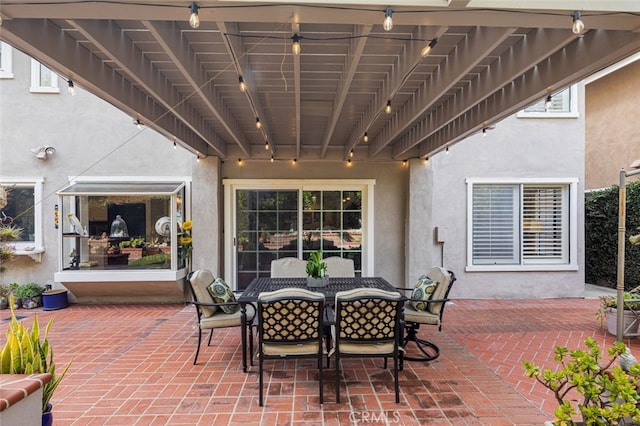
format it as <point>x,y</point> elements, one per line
<point>519,224</point>
<point>563,104</point>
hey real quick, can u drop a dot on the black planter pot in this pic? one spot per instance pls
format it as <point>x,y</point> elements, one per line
<point>47,416</point>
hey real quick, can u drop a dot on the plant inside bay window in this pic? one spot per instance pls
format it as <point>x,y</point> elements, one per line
<point>186,241</point>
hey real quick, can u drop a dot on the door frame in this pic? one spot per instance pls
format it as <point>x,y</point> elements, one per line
<point>366,186</point>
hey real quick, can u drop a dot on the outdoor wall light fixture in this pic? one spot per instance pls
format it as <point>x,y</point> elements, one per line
<point>43,152</point>
<point>194,19</point>
<point>295,47</point>
<point>578,25</point>
<point>387,24</point>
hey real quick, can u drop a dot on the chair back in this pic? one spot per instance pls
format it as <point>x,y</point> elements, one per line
<point>198,282</point>
<point>288,267</point>
<point>444,280</point>
<point>340,267</point>
<point>290,316</point>
<point>368,315</point>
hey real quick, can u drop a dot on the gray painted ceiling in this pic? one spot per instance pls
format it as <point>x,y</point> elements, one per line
<point>488,62</point>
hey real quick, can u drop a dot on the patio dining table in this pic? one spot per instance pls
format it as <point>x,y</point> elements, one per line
<point>262,284</point>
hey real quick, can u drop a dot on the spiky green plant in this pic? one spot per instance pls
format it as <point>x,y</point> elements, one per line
<point>25,353</point>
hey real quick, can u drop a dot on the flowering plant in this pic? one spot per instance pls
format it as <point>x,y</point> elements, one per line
<point>186,240</point>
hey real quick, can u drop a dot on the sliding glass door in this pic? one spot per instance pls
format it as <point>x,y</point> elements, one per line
<point>293,220</point>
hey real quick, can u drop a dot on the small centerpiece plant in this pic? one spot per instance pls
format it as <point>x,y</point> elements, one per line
<point>590,387</point>
<point>316,270</point>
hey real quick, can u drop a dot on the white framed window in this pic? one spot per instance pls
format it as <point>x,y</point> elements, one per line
<point>23,209</point>
<point>521,224</point>
<point>43,80</point>
<point>563,104</point>
<point>6,61</point>
<point>269,219</point>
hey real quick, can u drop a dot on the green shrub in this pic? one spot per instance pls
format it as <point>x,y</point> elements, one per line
<point>601,236</point>
<point>150,260</point>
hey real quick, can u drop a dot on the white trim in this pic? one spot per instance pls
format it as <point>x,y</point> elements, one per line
<point>364,185</point>
<point>36,246</point>
<point>613,68</point>
<point>88,179</point>
<point>35,80</point>
<point>6,61</point>
<point>572,262</point>
<point>113,275</point>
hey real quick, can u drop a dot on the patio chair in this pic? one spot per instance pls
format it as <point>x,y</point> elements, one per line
<point>339,267</point>
<point>221,311</point>
<point>290,325</point>
<point>368,324</point>
<point>426,307</point>
<point>288,267</point>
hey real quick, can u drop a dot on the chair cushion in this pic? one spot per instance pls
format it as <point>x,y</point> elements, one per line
<point>221,320</point>
<point>441,277</point>
<point>310,348</point>
<point>221,293</point>
<point>420,317</point>
<point>423,292</point>
<point>200,281</point>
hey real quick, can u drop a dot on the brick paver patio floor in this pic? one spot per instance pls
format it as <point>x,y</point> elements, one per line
<point>133,365</point>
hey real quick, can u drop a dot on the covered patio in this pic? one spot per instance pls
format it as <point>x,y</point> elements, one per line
<point>132,365</point>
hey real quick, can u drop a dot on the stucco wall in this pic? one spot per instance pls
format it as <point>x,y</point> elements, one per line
<point>516,148</point>
<point>91,138</point>
<point>389,198</point>
<point>612,128</point>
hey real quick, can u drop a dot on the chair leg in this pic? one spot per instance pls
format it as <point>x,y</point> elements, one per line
<point>395,377</point>
<point>210,336</point>
<point>428,349</point>
<point>195,360</point>
<point>261,379</point>
<point>337,360</point>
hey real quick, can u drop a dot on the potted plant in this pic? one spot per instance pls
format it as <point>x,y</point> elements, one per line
<point>30,294</point>
<point>585,389</point>
<point>608,313</point>
<point>8,234</point>
<point>316,270</point>
<point>27,352</point>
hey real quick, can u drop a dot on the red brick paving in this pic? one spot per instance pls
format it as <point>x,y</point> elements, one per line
<point>133,365</point>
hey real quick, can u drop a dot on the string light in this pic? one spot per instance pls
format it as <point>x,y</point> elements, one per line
<point>578,25</point>
<point>194,19</point>
<point>175,145</point>
<point>387,24</point>
<point>426,160</point>
<point>258,123</point>
<point>198,158</point>
<point>295,47</point>
<point>548,103</point>
<point>446,151</point>
<point>365,137</point>
<point>138,123</point>
<point>428,47</point>
<point>351,153</point>
<point>484,132</point>
<point>243,85</point>
<point>239,161</point>
<point>349,162</point>
<point>387,109</point>
<point>266,145</point>
<point>72,88</point>
<point>272,159</point>
<point>404,163</point>
<point>294,161</point>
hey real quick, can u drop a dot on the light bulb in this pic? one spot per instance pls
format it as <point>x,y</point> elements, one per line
<point>446,151</point>
<point>239,161</point>
<point>387,109</point>
<point>194,19</point>
<point>404,163</point>
<point>294,161</point>
<point>428,47</point>
<point>266,145</point>
<point>548,103</point>
<point>484,132</point>
<point>351,153</point>
<point>349,162</point>
<point>243,85</point>
<point>578,25</point>
<point>72,88</point>
<point>175,146</point>
<point>387,24</point>
<point>272,159</point>
<point>258,123</point>
<point>295,47</point>
<point>138,123</point>
<point>365,137</point>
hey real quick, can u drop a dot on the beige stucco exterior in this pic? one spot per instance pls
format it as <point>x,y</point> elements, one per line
<point>612,134</point>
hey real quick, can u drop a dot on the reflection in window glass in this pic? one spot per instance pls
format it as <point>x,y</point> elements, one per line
<point>19,211</point>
